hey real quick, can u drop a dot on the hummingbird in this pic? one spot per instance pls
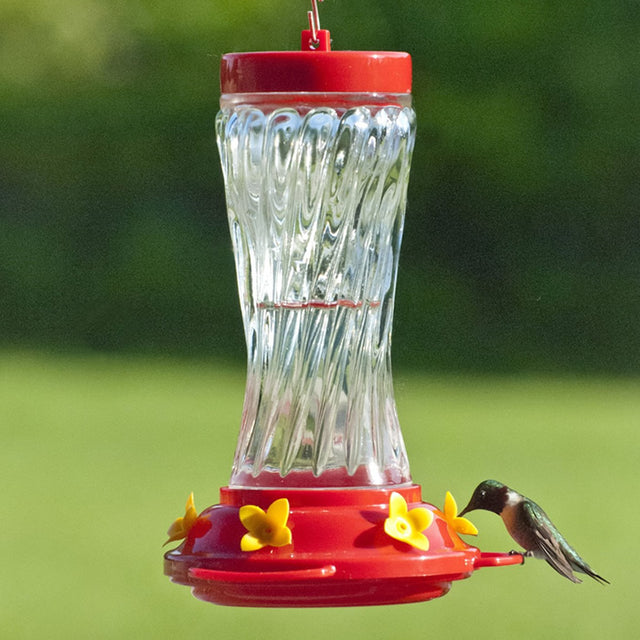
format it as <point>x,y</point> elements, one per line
<point>531,528</point>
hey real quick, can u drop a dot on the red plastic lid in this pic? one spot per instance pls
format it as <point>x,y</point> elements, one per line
<point>316,70</point>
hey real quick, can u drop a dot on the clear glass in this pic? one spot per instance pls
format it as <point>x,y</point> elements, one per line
<point>316,191</point>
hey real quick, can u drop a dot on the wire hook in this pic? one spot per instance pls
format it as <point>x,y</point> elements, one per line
<point>314,21</point>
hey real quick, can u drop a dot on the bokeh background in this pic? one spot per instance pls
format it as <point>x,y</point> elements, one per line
<point>521,251</point>
<point>516,334</point>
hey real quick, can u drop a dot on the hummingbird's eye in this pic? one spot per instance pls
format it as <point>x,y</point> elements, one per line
<point>483,493</point>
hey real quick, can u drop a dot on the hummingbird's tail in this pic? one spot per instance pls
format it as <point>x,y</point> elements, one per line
<point>596,577</point>
<point>587,570</point>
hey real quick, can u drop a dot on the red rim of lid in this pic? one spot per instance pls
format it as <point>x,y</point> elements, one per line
<point>316,71</point>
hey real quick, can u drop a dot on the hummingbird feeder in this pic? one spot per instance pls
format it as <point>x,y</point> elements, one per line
<point>320,509</point>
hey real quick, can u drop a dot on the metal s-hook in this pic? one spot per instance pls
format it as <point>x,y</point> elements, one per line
<point>315,38</point>
<point>314,21</point>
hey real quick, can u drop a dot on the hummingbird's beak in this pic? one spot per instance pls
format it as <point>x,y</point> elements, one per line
<point>465,510</point>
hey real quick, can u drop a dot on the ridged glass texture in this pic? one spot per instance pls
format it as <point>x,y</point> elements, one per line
<point>315,198</point>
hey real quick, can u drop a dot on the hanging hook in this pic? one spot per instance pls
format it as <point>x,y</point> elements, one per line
<point>314,38</point>
<point>314,21</point>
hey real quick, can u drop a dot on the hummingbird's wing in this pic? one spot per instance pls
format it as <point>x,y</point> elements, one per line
<point>548,540</point>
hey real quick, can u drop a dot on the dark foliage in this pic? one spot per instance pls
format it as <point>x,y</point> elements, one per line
<point>522,242</point>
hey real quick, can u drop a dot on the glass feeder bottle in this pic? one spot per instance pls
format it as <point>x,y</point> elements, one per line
<point>316,180</point>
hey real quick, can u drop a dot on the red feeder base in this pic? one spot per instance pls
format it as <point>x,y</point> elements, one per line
<point>339,555</point>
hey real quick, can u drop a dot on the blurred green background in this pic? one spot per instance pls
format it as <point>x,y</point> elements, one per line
<point>521,245</point>
<point>516,334</point>
<point>99,455</point>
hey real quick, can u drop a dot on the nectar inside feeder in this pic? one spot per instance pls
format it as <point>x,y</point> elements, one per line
<point>320,509</point>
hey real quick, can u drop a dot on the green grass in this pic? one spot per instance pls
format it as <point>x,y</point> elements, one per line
<point>98,455</point>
